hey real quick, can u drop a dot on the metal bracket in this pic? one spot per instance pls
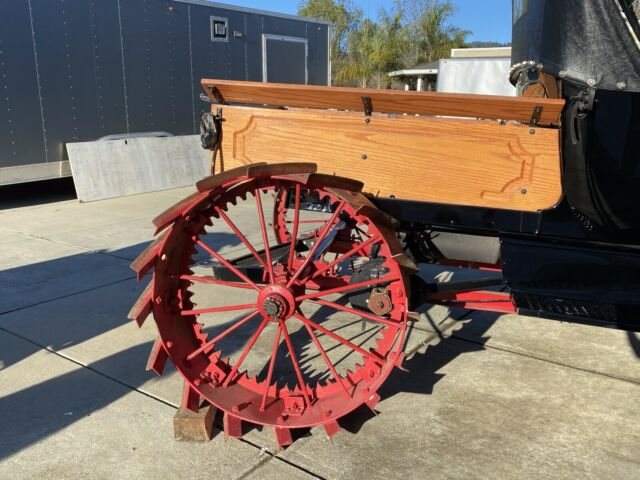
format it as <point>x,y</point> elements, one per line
<point>586,100</point>
<point>216,94</point>
<point>368,108</point>
<point>535,116</point>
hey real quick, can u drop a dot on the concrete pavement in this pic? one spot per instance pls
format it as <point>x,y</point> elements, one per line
<point>488,396</point>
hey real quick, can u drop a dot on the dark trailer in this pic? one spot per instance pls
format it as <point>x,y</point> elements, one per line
<point>80,70</point>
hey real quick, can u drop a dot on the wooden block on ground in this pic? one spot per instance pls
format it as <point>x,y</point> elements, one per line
<point>194,427</point>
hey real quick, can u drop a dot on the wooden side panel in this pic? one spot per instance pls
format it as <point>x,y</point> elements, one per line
<point>460,162</point>
<point>383,101</point>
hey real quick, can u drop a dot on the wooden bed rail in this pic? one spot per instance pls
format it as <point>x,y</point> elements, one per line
<point>524,109</point>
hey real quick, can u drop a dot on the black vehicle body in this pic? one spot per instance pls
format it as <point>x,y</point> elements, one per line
<point>580,260</point>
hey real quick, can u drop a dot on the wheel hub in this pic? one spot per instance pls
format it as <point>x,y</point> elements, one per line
<point>276,302</point>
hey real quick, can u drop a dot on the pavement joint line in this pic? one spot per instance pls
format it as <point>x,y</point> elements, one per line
<point>298,467</point>
<point>545,360</point>
<point>275,457</point>
<point>266,458</point>
<point>67,244</point>
<point>91,369</point>
<point>444,334</point>
<point>158,399</point>
<point>68,295</point>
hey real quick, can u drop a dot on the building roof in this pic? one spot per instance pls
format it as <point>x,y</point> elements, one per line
<point>489,52</point>
<point>208,3</point>
<point>422,69</point>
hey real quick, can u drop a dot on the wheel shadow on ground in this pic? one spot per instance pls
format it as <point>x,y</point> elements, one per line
<point>424,363</point>
<point>34,413</point>
<point>634,341</point>
<point>69,306</point>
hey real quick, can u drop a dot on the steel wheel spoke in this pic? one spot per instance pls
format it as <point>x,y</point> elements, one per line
<point>347,255</point>
<point>215,281</point>
<point>215,340</point>
<point>347,288</point>
<point>301,222</point>
<point>263,229</point>
<point>252,341</point>
<point>294,233</point>
<point>230,308</point>
<point>340,339</point>
<point>227,264</point>
<point>272,363</point>
<point>242,238</point>
<point>294,361</point>
<point>368,316</point>
<point>325,357</point>
<point>317,244</point>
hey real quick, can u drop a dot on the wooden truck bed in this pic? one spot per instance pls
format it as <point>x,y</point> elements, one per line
<point>402,144</point>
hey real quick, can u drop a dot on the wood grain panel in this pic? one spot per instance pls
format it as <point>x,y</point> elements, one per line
<point>385,101</point>
<point>461,162</point>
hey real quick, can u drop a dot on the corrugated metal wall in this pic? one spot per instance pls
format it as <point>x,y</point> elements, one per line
<point>77,70</point>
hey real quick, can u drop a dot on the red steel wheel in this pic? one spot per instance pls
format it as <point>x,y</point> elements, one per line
<point>274,343</point>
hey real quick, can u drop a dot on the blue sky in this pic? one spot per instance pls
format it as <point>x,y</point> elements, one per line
<point>489,20</point>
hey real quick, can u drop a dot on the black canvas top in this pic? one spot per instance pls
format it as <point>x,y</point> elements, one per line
<point>588,42</point>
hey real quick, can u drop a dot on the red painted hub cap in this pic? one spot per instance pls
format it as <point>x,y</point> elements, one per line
<point>276,302</point>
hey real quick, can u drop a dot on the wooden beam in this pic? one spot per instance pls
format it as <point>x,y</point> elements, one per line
<point>383,101</point>
<point>452,161</point>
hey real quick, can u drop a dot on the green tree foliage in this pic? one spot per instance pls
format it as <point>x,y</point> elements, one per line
<point>438,35</point>
<point>344,18</point>
<point>364,51</point>
<point>373,49</point>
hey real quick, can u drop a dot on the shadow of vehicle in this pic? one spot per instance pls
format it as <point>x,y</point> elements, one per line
<point>634,341</point>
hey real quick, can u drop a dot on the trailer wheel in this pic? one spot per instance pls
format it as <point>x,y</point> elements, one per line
<point>269,339</point>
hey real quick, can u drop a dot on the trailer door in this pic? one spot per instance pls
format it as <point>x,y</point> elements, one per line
<point>284,59</point>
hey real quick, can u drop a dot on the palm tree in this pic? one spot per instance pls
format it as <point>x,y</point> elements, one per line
<point>438,37</point>
<point>372,51</point>
<point>430,34</point>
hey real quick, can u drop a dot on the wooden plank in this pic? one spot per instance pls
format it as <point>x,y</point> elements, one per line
<point>453,161</point>
<point>385,101</point>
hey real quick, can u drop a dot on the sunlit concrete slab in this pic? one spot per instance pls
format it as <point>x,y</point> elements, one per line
<point>64,421</point>
<point>603,350</point>
<point>466,411</point>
